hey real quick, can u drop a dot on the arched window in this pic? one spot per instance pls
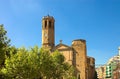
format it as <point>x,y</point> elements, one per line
<point>50,24</point>
<point>45,24</point>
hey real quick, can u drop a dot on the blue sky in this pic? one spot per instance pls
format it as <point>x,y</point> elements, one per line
<point>96,21</point>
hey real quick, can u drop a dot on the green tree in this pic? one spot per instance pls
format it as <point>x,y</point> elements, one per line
<point>36,63</point>
<point>4,46</point>
<point>60,67</point>
<point>95,76</point>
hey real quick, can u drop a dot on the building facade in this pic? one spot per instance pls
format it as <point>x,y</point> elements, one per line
<point>101,72</point>
<point>76,54</point>
<point>111,66</point>
<point>116,72</point>
<point>110,70</point>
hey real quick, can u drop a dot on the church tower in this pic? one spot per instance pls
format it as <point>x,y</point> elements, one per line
<point>79,46</point>
<point>48,32</point>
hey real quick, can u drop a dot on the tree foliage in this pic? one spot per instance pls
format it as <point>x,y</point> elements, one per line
<point>4,44</point>
<point>95,76</point>
<point>36,63</point>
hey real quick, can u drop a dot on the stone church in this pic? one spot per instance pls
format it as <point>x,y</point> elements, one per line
<point>76,54</point>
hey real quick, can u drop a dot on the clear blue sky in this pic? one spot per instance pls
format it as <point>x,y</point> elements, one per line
<point>96,21</point>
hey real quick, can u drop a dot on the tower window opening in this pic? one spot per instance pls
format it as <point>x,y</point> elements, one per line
<point>50,24</point>
<point>45,24</point>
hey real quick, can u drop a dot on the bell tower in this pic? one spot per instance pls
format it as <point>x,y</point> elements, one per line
<point>48,32</point>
